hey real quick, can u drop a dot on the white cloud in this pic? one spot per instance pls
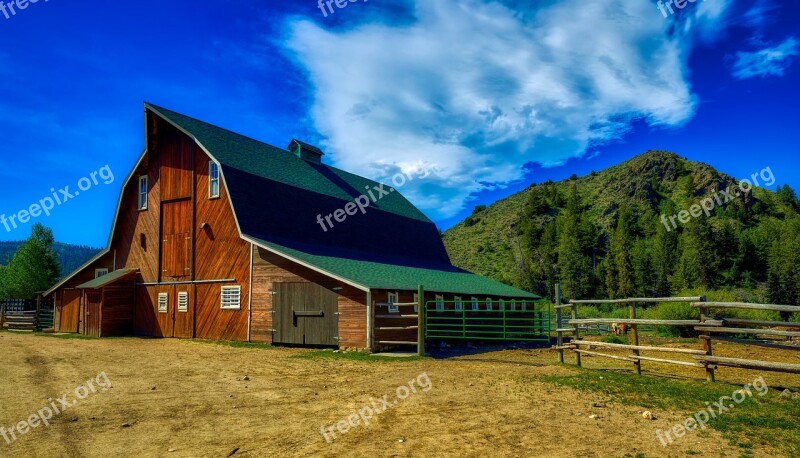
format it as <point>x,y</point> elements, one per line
<point>772,61</point>
<point>476,90</point>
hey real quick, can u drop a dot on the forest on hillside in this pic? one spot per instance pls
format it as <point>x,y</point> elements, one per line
<point>605,235</point>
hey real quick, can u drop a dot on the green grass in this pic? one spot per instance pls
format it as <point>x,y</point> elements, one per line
<point>757,421</point>
<point>353,356</point>
<point>236,344</point>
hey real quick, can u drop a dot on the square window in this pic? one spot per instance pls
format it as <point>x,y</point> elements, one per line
<point>183,302</point>
<point>100,272</point>
<point>163,302</point>
<point>231,298</point>
<point>393,300</point>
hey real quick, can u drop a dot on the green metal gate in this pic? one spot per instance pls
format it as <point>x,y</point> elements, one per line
<point>488,320</point>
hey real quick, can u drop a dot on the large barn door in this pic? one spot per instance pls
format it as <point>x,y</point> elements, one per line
<point>176,221</point>
<point>305,314</point>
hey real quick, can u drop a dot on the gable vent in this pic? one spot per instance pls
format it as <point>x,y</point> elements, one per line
<point>306,151</point>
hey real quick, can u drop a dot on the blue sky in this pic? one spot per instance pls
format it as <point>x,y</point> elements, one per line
<point>489,96</point>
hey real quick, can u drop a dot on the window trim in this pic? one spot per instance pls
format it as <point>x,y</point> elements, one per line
<point>101,269</point>
<point>211,181</point>
<point>163,300</point>
<point>143,205</point>
<point>183,308</point>
<point>458,303</point>
<point>396,296</point>
<point>238,291</point>
<point>475,304</point>
<point>439,303</point>
<point>502,305</point>
<point>489,304</point>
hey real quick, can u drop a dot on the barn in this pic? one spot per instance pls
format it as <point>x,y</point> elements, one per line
<point>219,236</point>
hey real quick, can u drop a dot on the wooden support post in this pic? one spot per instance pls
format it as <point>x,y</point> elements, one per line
<point>705,338</point>
<point>634,338</point>
<point>38,309</point>
<point>421,321</point>
<point>2,315</point>
<point>576,334</point>
<point>559,334</point>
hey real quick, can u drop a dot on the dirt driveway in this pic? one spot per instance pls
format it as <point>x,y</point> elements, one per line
<point>195,399</point>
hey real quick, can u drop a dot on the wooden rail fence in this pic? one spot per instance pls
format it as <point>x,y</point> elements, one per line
<point>708,325</point>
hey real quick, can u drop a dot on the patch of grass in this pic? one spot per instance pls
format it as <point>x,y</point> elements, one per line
<point>236,344</point>
<point>759,420</point>
<point>66,336</point>
<point>353,356</point>
<point>614,339</point>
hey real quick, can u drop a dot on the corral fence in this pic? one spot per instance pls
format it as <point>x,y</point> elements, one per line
<point>27,314</point>
<point>710,324</point>
<point>466,320</point>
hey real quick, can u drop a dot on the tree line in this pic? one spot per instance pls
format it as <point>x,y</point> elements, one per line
<point>751,243</point>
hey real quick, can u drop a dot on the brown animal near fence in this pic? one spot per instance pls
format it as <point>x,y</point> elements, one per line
<point>710,327</point>
<point>619,328</point>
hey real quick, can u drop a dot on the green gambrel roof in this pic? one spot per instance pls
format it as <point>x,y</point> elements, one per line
<point>376,275</point>
<point>107,279</point>
<point>277,164</point>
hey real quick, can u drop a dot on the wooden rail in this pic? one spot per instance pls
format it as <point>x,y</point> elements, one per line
<point>706,325</point>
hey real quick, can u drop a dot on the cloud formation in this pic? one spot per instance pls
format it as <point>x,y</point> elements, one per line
<point>771,61</point>
<point>475,90</point>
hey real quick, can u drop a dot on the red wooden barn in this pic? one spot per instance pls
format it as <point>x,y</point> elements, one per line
<point>218,236</point>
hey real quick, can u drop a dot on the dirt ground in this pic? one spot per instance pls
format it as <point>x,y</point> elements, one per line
<point>196,399</point>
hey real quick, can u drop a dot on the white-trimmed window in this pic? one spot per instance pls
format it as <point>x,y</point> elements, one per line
<point>100,272</point>
<point>143,192</point>
<point>524,305</point>
<point>213,180</point>
<point>231,298</point>
<point>163,302</point>
<point>514,305</point>
<point>183,302</point>
<point>459,303</point>
<point>489,305</point>
<point>416,303</point>
<point>393,299</point>
<point>439,303</point>
<point>474,304</point>
<point>502,304</point>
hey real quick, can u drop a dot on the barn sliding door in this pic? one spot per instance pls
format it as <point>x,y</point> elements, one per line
<point>305,314</point>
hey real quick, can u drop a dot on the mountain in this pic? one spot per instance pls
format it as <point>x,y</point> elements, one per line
<point>609,234</point>
<point>70,257</point>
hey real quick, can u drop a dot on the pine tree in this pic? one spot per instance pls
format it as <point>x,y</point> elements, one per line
<point>34,267</point>
<point>665,248</point>
<point>574,265</point>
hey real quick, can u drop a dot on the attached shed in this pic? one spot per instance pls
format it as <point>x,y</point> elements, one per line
<point>108,304</point>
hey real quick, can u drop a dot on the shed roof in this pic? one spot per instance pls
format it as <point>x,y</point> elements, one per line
<point>394,276</point>
<point>107,279</point>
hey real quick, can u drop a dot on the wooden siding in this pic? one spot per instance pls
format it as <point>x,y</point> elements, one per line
<point>220,254</point>
<point>269,268</point>
<point>176,151</point>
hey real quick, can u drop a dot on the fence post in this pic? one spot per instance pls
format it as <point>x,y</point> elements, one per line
<point>705,336</point>
<point>2,315</point>
<point>576,333</point>
<point>634,339</point>
<point>559,334</point>
<point>420,321</point>
<point>38,310</point>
